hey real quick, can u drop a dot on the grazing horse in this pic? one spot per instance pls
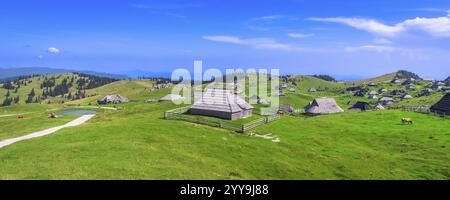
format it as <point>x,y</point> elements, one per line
<point>20,117</point>
<point>407,121</point>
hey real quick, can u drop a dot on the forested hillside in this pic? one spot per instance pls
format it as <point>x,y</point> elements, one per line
<point>50,88</point>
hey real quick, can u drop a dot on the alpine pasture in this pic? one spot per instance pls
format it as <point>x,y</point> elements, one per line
<point>136,142</point>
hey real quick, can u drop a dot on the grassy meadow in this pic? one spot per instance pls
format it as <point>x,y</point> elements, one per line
<point>136,142</point>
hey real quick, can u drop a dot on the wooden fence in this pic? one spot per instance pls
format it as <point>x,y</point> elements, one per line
<point>179,114</point>
<point>178,111</point>
<point>416,109</point>
<point>419,109</point>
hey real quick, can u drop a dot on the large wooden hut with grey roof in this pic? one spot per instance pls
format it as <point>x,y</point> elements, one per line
<point>222,104</point>
<point>443,106</point>
<point>323,105</point>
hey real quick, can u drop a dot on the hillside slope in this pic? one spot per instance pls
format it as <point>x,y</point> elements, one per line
<point>379,79</point>
<point>401,74</point>
<point>301,97</point>
<point>55,88</point>
<point>137,89</point>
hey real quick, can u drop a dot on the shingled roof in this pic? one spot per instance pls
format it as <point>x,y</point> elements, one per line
<point>443,106</point>
<point>363,106</point>
<point>323,105</point>
<point>221,103</point>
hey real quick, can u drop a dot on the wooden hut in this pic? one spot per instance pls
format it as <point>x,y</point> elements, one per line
<point>443,106</point>
<point>222,104</point>
<point>323,105</point>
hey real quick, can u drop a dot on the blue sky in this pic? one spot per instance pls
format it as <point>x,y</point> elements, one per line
<point>342,38</point>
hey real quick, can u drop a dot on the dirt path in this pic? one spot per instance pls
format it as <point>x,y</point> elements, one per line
<point>75,122</point>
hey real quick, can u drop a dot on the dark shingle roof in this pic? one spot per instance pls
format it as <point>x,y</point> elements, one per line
<point>443,106</point>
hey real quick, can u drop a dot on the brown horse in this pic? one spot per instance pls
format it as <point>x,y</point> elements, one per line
<point>407,121</point>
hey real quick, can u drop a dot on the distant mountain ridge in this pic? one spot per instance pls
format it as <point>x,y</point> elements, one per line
<point>11,73</point>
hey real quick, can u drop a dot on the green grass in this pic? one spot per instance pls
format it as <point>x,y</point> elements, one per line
<point>137,143</point>
<point>132,89</point>
<point>35,118</point>
<point>368,145</point>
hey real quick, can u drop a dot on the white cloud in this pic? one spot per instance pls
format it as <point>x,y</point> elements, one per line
<point>263,43</point>
<point>53,50</point>
<point>299,35</point>
<point>258,43</point>
<point>373,48</point>
<point>438,27</point>
<point>368,25</point>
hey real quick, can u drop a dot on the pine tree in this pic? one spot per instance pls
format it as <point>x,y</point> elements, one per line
<point>8,85</point>
<point>17,99</point>
<point>7,102</point>
<point>31,96</point>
